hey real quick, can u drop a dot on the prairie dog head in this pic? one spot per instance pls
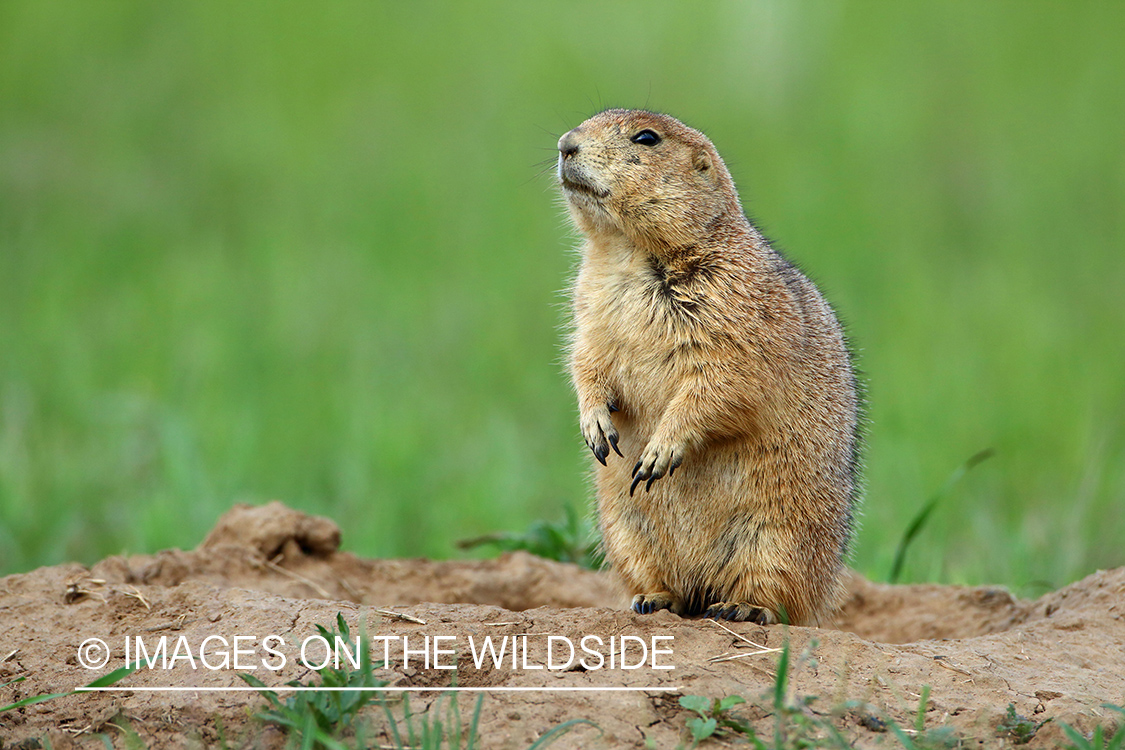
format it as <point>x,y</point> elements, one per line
<point>645,175</point>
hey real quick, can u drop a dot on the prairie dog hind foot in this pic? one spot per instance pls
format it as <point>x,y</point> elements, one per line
<point>646,604</point>
<point>741,612</point>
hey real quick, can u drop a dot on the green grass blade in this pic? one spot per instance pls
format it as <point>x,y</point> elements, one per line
<point>1075,736</point>
<point>559,731</point>
<point>308,731</point>
<point>327,741</point>
<point>474,723</point>
<point>251,680</point>
<point>780,685</point>
<point>919,520</point>
<point>33,700</point>
<point>104,681</point>
<point>903,737</point>
<point>409,719</point>
<point>455,723</point>
<point>920,718</point>
<point>113,677</point>
<point>391,722</point>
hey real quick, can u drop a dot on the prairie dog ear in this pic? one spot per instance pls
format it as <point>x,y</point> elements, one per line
<point>701,160</point>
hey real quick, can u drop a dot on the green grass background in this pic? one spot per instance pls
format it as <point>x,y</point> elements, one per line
<point>313,252</point>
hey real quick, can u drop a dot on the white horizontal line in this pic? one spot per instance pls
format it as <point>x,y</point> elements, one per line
<point>313,689</point>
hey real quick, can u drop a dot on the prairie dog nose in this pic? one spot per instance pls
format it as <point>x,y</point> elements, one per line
<point>568,144</point>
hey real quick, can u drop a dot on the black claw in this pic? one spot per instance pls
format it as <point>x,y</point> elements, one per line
<point>612,407</point>
<point>637,607</point>
<point>636,468</point>
<point>613,442</point>
<point>718,612</point>
<point>651,479</point>
<point>633,486</point>
<point>600,452</point>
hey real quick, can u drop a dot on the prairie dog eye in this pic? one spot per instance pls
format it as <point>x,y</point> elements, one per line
<point>646,138</point>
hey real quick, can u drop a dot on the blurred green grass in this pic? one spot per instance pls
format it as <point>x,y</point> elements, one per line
<point>313,252</point>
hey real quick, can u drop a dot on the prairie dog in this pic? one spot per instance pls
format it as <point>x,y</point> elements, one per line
<point>717,374</point>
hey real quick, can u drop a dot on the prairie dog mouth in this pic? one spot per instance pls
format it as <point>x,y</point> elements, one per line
<point>574,182</point>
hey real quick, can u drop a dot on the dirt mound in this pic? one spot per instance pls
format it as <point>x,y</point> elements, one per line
<point>278,550</point>
<point>273,572</point>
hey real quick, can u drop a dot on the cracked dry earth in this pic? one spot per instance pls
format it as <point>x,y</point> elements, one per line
<point>271,570</point>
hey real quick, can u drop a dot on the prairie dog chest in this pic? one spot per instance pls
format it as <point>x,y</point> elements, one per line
<point>624,318</point>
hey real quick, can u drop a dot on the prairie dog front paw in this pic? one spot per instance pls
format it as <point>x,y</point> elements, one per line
<point>658,459</point>
<point>599,432</point>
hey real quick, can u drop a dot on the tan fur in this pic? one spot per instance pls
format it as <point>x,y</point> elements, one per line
<point>695,342</point>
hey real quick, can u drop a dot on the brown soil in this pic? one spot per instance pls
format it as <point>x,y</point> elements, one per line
<point>272,570</point>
